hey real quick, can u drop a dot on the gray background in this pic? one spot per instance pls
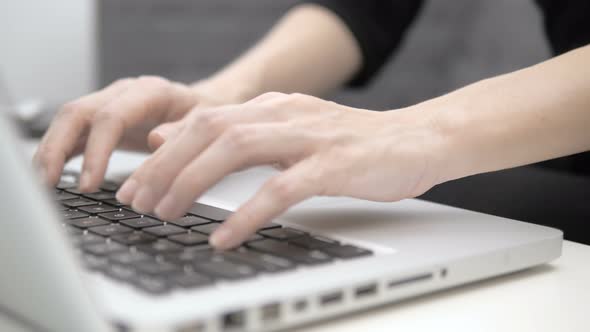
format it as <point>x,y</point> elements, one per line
<point>451,44</point>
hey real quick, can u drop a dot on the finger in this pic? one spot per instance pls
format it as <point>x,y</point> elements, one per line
<point>157,173</point>
<point>276,196</point>
<point>68,128</point>
<point>147,98</point>
<point>165,132</point>
<point>240,147</point>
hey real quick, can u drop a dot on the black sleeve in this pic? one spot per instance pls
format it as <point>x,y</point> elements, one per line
<point>377,25</point>
<point>567,23</point>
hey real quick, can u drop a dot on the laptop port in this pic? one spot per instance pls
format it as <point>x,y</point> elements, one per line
<point>365,290</point>
<point>300,305</point>
<point>331,298</point>
<point>234,320</point>
<point>410,280</point>
<point>270,312</point>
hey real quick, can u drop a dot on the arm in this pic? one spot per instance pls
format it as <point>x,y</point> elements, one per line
<point>329,149</point>
<point>534,114</point>
<point>310,50</point>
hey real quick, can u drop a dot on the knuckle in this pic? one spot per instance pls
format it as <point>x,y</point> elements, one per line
<point>271,95</point>
<point>106,116</point>
<point>281,188</point>
<point>72,109</point>
<point>211,121</point>
<point>298,96</point>
<point>237,137</point>
<point>123,81</point>
<point>153,81</point>
<point>266,97</point>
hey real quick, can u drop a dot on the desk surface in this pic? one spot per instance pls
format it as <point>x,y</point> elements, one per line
<point>552,297</point>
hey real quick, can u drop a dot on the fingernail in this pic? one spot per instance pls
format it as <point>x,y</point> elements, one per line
<point>85,180</point>
<point>166,207</point>
<point>221,238</point>
<point>144,200</point>
<point>126,192</point>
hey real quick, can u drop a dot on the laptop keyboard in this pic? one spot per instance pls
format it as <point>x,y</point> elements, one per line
<point>159,256</point>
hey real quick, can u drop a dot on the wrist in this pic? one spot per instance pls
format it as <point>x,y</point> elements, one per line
<point>423,140</point>
<point>217,91</point>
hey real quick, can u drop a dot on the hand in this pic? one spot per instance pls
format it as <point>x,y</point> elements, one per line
<point>135,114</point>
<point>324,148</point>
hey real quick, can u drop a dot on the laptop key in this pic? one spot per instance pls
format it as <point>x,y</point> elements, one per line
<point>157,268</point>
<point>222,268</point>
<point>93,262</point>
<point>189,239</point>
<point>191,280</point>
<point>207,228</point>
<point>255,237</point>
<point>165,230</point>
<point>88,222</point>
<point>209,212</point>
<point>189,221</point>
<point>270,226</point>
<point>110,230</point>
<point>160,247</point>
<point>134,239</point>
<point>282,233</point>
<point>290,252</point>
<point>189,256</point>
<point>85,239</point>
<point>66,185</point>
<point>109,186</point>
<point>119,215</point>
<point>100,196</point>
<point>73,231</point>
<point>260,261</point>
<point>77,202</point>
<point>153,285</point>
<point>73,214</point>
<point>139,223</point>
<point>74,190</point>
<point>103,249</point>
<point>120,272</point>
<point>62,196</point>
<point>129,257</point>
<point>113,202</point>
<point>313,242</point>
<point>95,209</point>
<point>346,251</point>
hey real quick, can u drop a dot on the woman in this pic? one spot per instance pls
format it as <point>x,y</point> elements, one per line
<point>205,131</point>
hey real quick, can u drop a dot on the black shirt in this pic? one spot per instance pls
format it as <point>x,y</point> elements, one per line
<point>379,26</point>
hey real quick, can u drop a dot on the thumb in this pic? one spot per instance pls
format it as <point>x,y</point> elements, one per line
<point>163,133</point>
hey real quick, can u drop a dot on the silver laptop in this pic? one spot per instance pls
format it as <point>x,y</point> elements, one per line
<point>73,262</point>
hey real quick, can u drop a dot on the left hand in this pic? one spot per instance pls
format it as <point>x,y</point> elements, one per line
<point>324,149</point>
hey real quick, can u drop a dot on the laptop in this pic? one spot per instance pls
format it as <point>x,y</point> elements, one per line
<point>84,262</point>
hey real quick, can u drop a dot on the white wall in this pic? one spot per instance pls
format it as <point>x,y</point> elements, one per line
<point>47,48</point>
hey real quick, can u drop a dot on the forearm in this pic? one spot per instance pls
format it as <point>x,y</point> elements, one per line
<point>534,114</point>
<point>310,50</point>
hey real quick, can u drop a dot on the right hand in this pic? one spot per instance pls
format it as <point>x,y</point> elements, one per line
<point>134,113</point>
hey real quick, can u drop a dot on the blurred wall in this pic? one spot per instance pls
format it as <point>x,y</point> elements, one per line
<point>47,48</point>
<point>451,44</point>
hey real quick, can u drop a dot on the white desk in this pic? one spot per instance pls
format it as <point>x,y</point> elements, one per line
<point>553,297</point>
